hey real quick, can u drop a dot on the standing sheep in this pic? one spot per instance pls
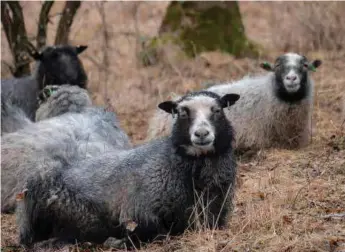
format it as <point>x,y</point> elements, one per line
<point>154,186</point>
<point>55,65</point>
<point>274,109</point>
<point>53,142</point>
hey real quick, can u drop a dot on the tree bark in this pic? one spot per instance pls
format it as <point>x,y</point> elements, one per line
<point>66,21</point>
<point>207,26</point>
<point>41,37</point>
<point>16,35</point>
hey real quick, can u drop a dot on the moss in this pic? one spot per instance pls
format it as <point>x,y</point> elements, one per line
<point>208,29</point>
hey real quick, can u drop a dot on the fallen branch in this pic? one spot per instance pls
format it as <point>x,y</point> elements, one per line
<point>334,216</point>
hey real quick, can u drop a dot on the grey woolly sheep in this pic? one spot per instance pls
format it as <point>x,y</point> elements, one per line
<point>62,99</point>
<point>67,99</point>
<point>50,143</point>
<point>148,190</point>
<point>13,118</point>
<point>274,109</point>
<point>55,65</point>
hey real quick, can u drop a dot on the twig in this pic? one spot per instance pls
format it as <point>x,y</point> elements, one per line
<point>66,21</point>
<point>334,216</point>
<point>42,24</point>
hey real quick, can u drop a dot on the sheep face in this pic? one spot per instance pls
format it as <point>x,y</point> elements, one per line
<point>59,65</point>
<point>200,126</point>
<point>291,76</point>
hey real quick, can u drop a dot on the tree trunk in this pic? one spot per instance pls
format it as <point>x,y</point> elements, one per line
<point>16,35</point>
<point>207,26</point>
<point>66,21</point>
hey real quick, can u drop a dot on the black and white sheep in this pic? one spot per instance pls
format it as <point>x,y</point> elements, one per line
<point>274,109</point>
<point>55,65</point>
<point>153,186</point>
<point>50,143</point>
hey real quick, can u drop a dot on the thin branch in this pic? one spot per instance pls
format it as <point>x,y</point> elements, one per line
<point>66,21</point>
<point>41,37</point>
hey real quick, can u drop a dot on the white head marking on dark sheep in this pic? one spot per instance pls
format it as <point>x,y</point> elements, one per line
<point>200,121</point>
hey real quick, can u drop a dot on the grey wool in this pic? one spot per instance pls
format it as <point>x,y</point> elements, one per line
<point>51,143</point>
<point>62,99</point>
<point>143,192</point>
<point>274,110</point>
<point>55,65</point>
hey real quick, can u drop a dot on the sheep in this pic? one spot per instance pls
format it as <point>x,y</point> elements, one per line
<point>62,99</point>
<point>68,98</point>
<point>13,117</point>
<point>75,100</point>
<point>49,143</point>
<point>55,65</point>
<point>148,190</point>
<point>274,109</point>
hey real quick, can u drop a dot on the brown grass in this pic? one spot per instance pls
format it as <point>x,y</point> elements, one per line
<point>282,196</point>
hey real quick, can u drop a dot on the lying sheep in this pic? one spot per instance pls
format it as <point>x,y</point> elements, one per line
<point>151,189</point>
<point>50,143</point>
<point>274,109</point>
<point>13,117</point>
<point>62,99</point>
<point>67,99</point>
<point>54,65</point>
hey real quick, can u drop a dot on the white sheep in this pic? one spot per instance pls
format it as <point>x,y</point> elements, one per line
<point>274,109</point>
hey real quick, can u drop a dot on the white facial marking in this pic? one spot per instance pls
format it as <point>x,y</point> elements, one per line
<point>292,79</point>
<point>292,59</point>
<point>201,131</point>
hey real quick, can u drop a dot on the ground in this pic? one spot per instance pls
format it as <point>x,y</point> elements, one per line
<point>286,200</point>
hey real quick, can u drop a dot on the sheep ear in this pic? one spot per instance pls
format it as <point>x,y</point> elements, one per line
<point>80,48</point>
<point>229,99</point>
<point>168,106</point>
<point>267,66</point>
<point>315,64</point>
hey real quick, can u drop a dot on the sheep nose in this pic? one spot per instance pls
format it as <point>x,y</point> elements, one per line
<point>201,133</point>
<point>291,77</point>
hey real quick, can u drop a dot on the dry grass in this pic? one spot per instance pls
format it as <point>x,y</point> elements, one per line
<point>282,196</point>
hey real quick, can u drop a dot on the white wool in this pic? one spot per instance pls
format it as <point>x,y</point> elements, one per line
<point>259,118</point>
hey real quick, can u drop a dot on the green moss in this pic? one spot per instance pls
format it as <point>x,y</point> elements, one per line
<point>208,29</point>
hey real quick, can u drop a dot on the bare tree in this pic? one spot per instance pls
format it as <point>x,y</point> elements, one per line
<point>43,23</point>
<point>16,35</point>
<point>13,23</point>
<point>208,25</point>
<point>66,21</point>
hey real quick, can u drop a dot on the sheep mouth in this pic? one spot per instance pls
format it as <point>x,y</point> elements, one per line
<point>202,143</point>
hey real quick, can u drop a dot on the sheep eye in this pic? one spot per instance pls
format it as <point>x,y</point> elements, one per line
<point>183,114</point>
<point>216,110</point>
<point>306,65</point>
